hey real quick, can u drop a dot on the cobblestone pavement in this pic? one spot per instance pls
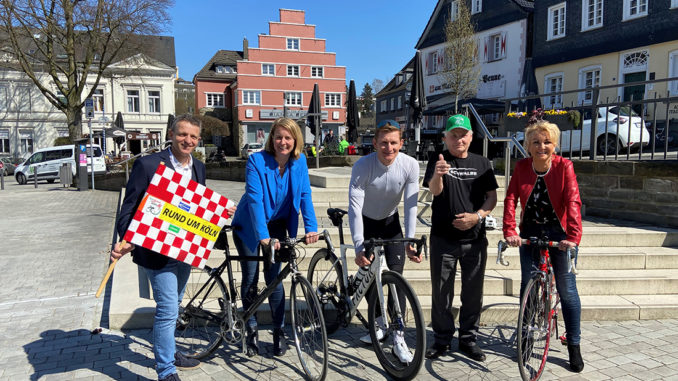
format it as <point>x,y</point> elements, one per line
<point>53,257</point>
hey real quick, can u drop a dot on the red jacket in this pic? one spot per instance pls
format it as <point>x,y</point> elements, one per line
<point>563,192</point>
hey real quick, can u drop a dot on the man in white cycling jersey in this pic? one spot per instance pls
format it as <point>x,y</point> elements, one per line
<point>379,181</point>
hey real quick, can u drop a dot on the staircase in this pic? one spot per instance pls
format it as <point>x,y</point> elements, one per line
<point>627,271</point>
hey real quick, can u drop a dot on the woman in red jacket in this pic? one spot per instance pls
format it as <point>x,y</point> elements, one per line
<point>547,188</point>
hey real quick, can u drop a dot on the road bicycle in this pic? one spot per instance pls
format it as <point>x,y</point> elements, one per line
<point>212,313</point>
<point>538,315</point>
<point>340,295</point>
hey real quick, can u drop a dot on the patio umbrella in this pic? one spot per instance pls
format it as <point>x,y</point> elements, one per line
<point>119,125</point>
<point>417,96</point>
<point>170,120</point>
<point>529,87</point>
<point>352,117</point>
<point>313,121</point>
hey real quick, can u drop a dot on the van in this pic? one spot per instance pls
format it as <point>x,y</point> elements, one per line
<point>47,161</point>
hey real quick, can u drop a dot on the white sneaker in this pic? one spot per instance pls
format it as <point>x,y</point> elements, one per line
<point>400,348</point>
<point>367,340</point>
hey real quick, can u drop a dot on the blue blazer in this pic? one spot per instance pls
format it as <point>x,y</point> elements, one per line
<point>257,205</point>
<point>142,172</point>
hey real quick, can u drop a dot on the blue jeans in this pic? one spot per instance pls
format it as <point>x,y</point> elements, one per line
<point>168,286</point>
<point>248,287</point>
<point>566,284</point>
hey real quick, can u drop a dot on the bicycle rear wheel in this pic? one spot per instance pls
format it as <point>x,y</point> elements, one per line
<point>405,331</point>
<point>534,330</point>
<point>202,310</point>
<point>310,336</point>
<point>325,275</point>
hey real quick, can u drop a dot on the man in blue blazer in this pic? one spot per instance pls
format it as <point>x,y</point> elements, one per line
<point>168,276</point>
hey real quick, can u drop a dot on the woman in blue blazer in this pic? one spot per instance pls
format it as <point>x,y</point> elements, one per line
<point>277,187</point>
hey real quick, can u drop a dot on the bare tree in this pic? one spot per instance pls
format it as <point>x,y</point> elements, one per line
<point>461,71</point>
<point>377,85</point>
<point>61,45</point>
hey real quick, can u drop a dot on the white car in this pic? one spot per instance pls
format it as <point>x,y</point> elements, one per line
<point>251,148</point>
<point>616,121</point>
<point>46,162</point>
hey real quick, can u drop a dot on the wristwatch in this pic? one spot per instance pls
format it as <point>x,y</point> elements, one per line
<point>480,218</point>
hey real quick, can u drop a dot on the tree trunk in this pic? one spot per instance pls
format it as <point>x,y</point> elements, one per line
<point>74,120</point>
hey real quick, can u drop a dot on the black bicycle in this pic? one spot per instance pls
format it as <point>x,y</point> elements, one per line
<point>388,295</point>
<point>212,313</point>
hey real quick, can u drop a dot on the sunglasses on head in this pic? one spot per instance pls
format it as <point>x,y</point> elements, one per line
<point>388,122</point>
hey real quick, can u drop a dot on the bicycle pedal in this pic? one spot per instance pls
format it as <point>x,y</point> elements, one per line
<point>563,340</point>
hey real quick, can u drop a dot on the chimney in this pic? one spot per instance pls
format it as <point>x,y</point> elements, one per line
<point>245,47</point>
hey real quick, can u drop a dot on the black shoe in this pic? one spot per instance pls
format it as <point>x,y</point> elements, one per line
<point>252,341</point>
<point>436,350</point>
<point>576,362</point>
<point>279,342</point>
<point>472,350</point>
<point>171,377</point>
<point>183,362</point>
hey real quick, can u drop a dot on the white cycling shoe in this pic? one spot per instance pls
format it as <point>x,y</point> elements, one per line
<point>400,348</point>
<point>367,340</point>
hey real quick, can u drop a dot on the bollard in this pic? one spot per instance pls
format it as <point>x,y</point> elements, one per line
<point>35,177</point>
<point>2,180</point>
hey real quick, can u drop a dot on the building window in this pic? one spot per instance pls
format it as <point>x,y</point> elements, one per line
<point>224,69</point>
<point>556,23</point>
<point>292,70</point>
<point>4,100</point>
<point>98,98</point>
<point>392,104</point>
<point>634,9</point>
<point>476,6</point>
<point>673,72</point>
<point>292,99</point>
<point>215,99</point>
<point>674,3</point>
<point>333,99</point>
<point>25,141</point>
<point>292,44</point>
<point>591,14</point>
<point>454,10</point>
<point>23,98</point>
<point>267,69</point>
<point>383,106</point>
<point>154,101</point>
<point>4,140</point>
<point>553,83</point>
<point>132,100</point>
<point>496,49</point>
<point>250,97</point>
<point>316,71</point>
<point>433,62</point>
<point>589,77</point>
<point>400,103</point>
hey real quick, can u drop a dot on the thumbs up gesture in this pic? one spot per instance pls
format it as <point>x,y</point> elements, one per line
<point>442,167</point>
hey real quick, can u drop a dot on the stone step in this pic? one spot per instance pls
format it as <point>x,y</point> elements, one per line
<point>423,209</point>
<point>340,194</point>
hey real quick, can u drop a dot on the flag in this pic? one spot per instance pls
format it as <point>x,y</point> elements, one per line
<point>178,218</point>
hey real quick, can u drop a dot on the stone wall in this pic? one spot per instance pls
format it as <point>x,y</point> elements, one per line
<point>638,191</point>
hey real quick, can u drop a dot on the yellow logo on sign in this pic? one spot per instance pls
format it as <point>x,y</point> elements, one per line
<point>189,222</point>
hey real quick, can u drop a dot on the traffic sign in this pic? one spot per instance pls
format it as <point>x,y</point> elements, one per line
<point>89,108</point>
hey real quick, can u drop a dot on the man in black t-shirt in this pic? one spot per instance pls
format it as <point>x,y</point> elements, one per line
<point>464,190</point>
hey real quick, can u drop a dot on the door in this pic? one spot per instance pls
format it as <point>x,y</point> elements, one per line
<point>635,92</point>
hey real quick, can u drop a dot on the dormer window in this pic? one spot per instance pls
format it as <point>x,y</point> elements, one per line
<point>223,69</point>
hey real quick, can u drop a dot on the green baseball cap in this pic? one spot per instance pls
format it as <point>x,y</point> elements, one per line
<point>458,121</point>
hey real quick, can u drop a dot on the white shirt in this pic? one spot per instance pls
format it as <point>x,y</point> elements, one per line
<point>376,190</point>
<point>180,168</point>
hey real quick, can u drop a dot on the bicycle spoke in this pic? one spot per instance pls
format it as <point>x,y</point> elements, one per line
<point>534,330</point>
<point>310,337</point>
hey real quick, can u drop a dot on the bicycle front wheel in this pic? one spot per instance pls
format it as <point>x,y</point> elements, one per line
<point>534,330</point>
<point>202,310</point>
<point>324,273</point>
<point>403,343</point>
<point>310,336</point>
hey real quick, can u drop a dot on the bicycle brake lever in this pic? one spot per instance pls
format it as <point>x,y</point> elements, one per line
<point>272,249</point>
<point>501,248</point>
<point>571,265</point>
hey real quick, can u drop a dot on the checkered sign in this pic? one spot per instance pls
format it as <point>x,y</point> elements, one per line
<point>178,218</point>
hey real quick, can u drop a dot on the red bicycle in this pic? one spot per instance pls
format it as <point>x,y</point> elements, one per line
<point>538,316</point>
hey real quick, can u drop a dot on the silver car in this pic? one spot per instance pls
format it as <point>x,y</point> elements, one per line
<point>251,148</point>
<point>7,166</point>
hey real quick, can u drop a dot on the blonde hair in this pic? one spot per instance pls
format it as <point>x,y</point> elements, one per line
<point>293,128</point>
<point>385,129</point>
<point>541,126</point>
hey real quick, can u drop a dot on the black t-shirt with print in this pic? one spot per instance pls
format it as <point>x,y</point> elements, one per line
<point>464,190</point>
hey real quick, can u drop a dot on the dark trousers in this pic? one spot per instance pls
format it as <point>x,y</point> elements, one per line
<point>388,228</point>
<point>472,258</point>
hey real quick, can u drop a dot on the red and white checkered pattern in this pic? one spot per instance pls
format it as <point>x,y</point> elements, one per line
<point>153,233</point>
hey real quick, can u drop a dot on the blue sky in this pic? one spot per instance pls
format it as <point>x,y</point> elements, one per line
<point>372,38</point>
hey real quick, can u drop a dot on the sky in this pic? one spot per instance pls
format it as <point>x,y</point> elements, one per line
<point>374,39</point>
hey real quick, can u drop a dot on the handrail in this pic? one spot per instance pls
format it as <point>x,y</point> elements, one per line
<point>508,140</point>
<point>143,153</point>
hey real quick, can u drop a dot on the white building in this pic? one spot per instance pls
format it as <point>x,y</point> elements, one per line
<point>141,87</point>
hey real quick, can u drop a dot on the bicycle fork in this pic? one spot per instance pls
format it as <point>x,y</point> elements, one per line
<point>394,297</point>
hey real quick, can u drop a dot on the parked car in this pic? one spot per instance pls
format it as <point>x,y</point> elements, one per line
<point>250,148</point>
<point>7,166</point>
<point>46,163</point>
<point>616,122</point>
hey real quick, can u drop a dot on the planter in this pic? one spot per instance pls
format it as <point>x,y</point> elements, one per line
<point>514,125</point>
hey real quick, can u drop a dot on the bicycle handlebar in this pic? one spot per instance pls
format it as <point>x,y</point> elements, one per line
<point>270,248</point>
<point>571,252</point>
<point>420,244</point>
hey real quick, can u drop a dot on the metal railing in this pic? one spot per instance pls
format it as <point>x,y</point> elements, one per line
<point>143,153</point>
